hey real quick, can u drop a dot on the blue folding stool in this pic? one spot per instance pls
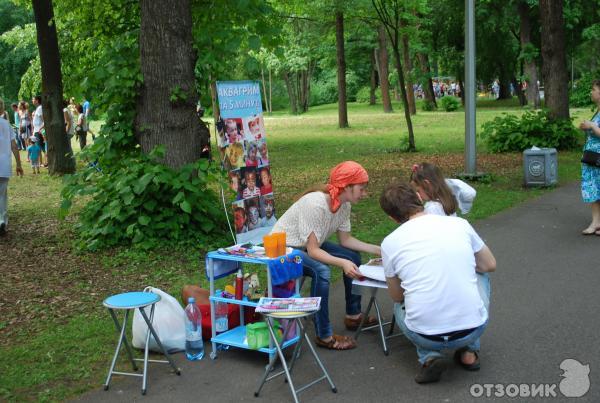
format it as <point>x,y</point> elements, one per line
<point>130,301</point>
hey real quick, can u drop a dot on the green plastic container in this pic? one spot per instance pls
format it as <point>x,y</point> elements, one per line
<point>257,334</point>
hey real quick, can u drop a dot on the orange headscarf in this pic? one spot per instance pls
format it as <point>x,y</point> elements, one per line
<point>342,175</point>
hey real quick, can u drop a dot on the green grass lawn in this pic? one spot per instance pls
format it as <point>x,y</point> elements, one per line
<point>57,340</point>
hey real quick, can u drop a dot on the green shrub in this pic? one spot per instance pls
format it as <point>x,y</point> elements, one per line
<point>450,103</point>
<point>325,89</point>
<point>535,128</point>
<point>364,95</point>
<point>580,95</point>
<point>142,202</point>
<point>428,106</point>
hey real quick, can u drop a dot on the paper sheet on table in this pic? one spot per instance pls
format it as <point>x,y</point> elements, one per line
<point>373,270</point>
<point>367,282</point>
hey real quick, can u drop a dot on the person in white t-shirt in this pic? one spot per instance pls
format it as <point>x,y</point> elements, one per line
<point>322,211</point>
<point>8,144</point>
<point>431,264</point>
<point>38,126</point>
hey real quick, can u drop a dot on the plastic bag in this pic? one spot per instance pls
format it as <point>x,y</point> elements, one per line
<point>168,323</point>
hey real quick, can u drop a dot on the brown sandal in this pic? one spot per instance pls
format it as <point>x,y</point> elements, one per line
<point>337,342</point>
<point>353,324</point>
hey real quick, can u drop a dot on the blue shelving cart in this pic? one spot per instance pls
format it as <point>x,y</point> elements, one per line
<point>220,265</point>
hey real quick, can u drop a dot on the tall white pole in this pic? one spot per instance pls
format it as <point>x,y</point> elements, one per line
<point>470,133</point>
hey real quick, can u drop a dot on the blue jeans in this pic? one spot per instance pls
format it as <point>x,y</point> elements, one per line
<point>428,349</point>
<point>321,274</point>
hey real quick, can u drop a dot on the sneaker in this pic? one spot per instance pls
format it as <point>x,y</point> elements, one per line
<point>431,371</point>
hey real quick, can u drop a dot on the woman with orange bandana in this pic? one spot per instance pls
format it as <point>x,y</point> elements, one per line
<point>321,211</point>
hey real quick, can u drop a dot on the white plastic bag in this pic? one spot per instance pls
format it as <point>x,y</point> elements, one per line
<point>168,323</point>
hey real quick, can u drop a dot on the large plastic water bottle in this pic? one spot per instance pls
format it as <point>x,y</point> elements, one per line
<point>194,346</point>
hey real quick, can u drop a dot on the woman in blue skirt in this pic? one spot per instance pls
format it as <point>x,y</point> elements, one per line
<point>590,174</point>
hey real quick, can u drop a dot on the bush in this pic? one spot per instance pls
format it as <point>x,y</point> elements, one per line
<point>580,95</point>
<point>450,103</point>
<point>364,95</point>
<point>142,202</point>
<point>428,106</point>
<point>511,133</point>
<point>325,90</point>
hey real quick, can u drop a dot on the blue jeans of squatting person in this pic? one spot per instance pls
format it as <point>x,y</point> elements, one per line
<point>428,349</point>
<point>321,274</point>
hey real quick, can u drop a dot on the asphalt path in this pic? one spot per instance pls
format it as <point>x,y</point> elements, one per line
<point>544,310</point>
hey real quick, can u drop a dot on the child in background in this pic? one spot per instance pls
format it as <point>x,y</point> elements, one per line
<point>441,196</point>
<point>33,154</point>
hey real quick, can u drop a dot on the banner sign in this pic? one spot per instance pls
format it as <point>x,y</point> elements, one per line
<point>243,149</point>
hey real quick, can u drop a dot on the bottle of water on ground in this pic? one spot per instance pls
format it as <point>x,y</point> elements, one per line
<point>194,346</point>
<point>221,321</point>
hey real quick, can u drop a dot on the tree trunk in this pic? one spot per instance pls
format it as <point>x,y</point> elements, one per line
<point>60,154</point>
<point>270,92</point>
<point>531,75</point>
<point>166,110</point>
<point>461,85</point>
<point>291,92</point>
<point>554,61</point>
<point>264,85</point>
<point>410,90</point>
<point>373,86</point>
<point>411,135</point>
<point>504,92</point>
<point>341,70</point>
<point>383,64</point>
<point>427,84</point>
<point>213,100</point>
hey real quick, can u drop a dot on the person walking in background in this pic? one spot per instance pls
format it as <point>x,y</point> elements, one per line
<point>20,143</point>
<point>33,154</point>
<point>38,126</point>
<point>81,128</point>
<point>319,213</point>
<point>590,174</point>
<point>25,130</point>
<point>87,111</point>
<point>69,120</point>
<point>7,144</point>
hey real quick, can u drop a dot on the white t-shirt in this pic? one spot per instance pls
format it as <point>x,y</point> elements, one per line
<point>38,119</point>
<point>7,135</point>
<point>435,207</point>
<point>463,193</point>
<point>312,214</point>
<point>434,258</point>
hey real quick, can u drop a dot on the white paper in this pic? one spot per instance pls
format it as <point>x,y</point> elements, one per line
<point>370,283</point>
<point>373,270</point>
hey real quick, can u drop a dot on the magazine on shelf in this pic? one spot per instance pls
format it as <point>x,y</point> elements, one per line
<point>309,304</point>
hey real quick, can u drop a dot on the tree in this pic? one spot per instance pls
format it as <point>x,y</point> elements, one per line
<point>60,154</point>
<point>528,54</point>
<point>341,70</point>
<point>554,62</point>
<point>165,112</point>
<point>388,13</point>
<point>383,64</point>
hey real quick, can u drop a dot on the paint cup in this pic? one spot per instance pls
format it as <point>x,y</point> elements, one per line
<point>270,244</point>
<point>281,247</point>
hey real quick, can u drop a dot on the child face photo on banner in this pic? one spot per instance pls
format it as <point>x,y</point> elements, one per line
<point>234,132</point>
<point>253,213</point>
<point>251,188</point>
<point>240,217</point>
<point>235,183</point>
<point>234,156</point>
<point>251,154</point>
<point>263,153</point>
<point>266,185</point>
<point>267,207</point>
<point>256,129</point>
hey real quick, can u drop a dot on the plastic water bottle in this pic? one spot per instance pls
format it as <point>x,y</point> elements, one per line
<point>194,346</point>
<point>221,324</point>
